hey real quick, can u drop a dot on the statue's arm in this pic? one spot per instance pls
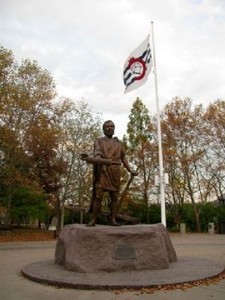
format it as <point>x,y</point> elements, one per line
<point>97,152</point>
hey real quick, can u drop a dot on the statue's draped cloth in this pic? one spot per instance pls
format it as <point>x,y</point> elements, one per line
<point>107,177</point>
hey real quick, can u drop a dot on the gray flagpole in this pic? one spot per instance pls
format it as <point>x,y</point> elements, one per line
<point>161,170</point>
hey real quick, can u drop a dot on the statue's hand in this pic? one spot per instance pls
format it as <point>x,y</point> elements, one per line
<point>83,156</point>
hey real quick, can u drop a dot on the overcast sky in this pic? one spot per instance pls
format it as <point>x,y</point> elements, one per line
<point>85,43</point>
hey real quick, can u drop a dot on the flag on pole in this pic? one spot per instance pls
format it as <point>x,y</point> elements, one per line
<point>138,66</point>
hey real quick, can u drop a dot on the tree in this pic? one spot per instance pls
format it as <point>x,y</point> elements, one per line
<point>28,136</point>
<point>28,206</point>
<point>141,149</point>
<point>185,146</point>
<point>215,152</point>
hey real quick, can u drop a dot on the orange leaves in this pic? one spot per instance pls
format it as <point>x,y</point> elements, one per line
<point>23,235</point>
<point>179,286</point>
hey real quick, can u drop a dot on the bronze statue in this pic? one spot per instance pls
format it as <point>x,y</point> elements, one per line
<point>107,158</point>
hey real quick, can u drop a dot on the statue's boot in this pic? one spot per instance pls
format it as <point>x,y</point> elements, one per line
<point>91,223</point>
<point>114,223</point>
<point>113,214</point>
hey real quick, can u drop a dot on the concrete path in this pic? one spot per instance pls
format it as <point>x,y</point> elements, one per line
<point>14,256</point>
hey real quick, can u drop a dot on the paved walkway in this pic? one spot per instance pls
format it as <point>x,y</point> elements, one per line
<point>14,256</point>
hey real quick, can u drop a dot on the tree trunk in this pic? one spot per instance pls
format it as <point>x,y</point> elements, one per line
<point>197,220</point>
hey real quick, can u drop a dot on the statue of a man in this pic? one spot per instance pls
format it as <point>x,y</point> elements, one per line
<point>107,158</point>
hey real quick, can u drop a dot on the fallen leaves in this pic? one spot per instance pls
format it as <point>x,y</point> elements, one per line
<point>26,235</point>
<point>181,286</point>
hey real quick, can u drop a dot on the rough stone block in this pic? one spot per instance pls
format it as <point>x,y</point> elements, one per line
<point>106,248</point>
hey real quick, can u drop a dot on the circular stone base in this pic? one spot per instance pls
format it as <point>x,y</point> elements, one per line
<point>185,269</point>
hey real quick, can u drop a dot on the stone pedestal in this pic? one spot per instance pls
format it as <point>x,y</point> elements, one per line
<point>106,248</point>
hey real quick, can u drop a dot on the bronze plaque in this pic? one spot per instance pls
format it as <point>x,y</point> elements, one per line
<point>125,251</point>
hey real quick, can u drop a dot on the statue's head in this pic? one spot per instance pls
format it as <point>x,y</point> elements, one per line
<point>108,128</point>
